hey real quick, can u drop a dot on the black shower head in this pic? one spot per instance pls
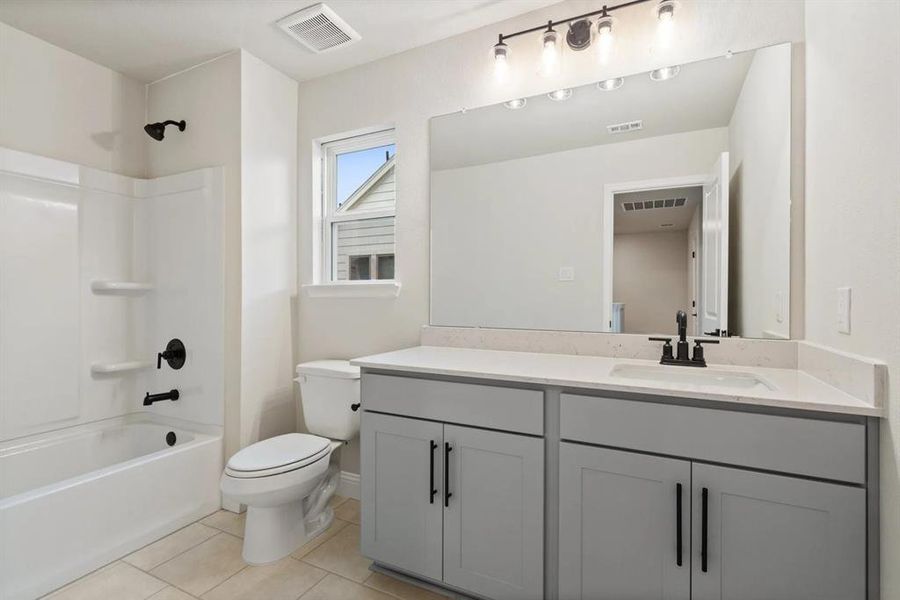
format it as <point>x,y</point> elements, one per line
<point>158,130</point>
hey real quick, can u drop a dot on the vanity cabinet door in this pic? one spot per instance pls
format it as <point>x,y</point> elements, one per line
<point>777,538</point>
<point>624,525</point>
<point>402,479</point>
<point>494,516</point>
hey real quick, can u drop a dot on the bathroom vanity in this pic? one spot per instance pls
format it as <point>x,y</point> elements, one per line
<point>522,475</point>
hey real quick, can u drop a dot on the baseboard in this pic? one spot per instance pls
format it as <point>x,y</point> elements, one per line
<point>349,485</point>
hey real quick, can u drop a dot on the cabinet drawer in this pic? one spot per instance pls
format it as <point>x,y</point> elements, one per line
<point>507,409</point>
<point>810,447</point>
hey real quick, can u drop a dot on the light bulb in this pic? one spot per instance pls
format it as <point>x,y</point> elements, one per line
<point>665,10</point>
<point>549,52</point>
<point>665,14</point>
<point>501,61</point>
<point>516,104</point>
<point>604,38</point>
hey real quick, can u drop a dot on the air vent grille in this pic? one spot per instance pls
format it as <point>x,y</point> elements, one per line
<point>651,204</point>
<point>319,29</point>
<point>625,127</point>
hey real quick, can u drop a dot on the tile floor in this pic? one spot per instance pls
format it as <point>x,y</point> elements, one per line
<point>203,561</point>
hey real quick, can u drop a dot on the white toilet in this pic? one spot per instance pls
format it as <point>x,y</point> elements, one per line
<point>286,481</point>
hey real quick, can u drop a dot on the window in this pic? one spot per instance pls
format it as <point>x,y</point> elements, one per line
<point>359,202</point>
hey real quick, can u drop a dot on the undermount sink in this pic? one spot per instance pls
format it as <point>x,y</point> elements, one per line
<point>692,376</point>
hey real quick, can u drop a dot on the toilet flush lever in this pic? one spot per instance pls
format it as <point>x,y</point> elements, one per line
<point>354,407</point>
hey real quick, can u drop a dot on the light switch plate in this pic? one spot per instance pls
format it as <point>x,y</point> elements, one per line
<point>567,273</point>
<point>843,310</point>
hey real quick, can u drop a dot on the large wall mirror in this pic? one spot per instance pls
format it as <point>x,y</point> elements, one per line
<point>609,207</point>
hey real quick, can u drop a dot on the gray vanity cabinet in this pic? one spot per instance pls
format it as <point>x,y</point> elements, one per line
<point>478,526</point>
<point>620,514</point>
<point>402,519</point>
<point>775,537</point>
<point>493,523</point>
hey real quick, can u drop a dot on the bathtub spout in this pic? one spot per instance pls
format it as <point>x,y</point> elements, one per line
<point>151,398</point>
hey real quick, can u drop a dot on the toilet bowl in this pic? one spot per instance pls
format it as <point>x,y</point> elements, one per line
<point>286,481</point>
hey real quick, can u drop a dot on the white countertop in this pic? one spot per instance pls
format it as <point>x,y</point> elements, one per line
<point>793,389</point>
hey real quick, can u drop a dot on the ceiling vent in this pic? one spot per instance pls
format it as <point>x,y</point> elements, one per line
<point>625,127</point>
<point>319,29</point>
<point>650,204</point>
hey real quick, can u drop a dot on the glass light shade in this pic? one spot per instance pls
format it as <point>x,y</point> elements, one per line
<point>560,95</point>
<point>665,73</point>
<point>516,103</point>
<point>608,85</point>
<point>550,51</point>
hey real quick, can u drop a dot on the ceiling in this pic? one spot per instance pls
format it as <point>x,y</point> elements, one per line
<point>702,96</point>
<point>150,39</point>
<point>656,219</point>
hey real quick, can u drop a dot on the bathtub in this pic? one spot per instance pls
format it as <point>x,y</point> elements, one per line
<point>78,498</point>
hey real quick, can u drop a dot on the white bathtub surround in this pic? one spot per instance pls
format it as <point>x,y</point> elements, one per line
<point>85,230</point>
<point>792,388</point>
<point>73,500</point>
<point>98,271</point>
<point>858,376</point>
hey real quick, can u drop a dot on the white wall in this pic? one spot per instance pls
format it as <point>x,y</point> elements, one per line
<point>268,250</point>
<point>650,275</point>
<point>853,208</point>
<point>54,103</point>
<point>760,198</point>
<point>208,97</point>
<point>407,89</point>
<point>503,230</point>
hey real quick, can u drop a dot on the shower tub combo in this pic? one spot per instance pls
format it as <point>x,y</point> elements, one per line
<point>76,499</point>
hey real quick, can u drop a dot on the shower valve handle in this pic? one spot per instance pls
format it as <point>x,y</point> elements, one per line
<point>174,354</point>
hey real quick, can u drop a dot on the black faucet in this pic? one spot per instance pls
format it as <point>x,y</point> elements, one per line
<point>170,395</point>
<point>681,356</point>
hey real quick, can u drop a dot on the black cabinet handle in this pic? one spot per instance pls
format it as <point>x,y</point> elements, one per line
<point>447,450</point>
<point>431,490</point>
<point>678,535</point>
<point>704,526</point>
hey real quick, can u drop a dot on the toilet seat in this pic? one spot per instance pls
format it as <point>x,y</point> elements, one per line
<point>278,455</point>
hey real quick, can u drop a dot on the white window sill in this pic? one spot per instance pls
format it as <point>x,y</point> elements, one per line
<point>353,289</point>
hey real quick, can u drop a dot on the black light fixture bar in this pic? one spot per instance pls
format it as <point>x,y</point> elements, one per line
<point>550,24</point>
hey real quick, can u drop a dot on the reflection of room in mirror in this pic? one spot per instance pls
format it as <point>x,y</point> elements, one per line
<point>656,258</point>
<point>519,197</point>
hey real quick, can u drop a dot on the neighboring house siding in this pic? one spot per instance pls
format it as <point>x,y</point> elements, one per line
<point>367,237</point>
<point>381,196</point>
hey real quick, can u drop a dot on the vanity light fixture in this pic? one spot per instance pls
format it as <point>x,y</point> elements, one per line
<point>501,60</point>
<point>550,51</point>
<point>665,73</point>
<point>665,11</point>
<point>578,36</point>
<point>516,103</point>
<point>608,85</point>
<point>560,95</point>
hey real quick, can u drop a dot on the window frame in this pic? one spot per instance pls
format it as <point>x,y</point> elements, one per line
<point>329,150</point>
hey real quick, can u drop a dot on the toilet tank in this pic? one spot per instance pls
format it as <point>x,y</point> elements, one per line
<point>328,389</point>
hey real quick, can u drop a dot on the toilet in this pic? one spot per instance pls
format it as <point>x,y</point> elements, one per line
<point>286,481</point>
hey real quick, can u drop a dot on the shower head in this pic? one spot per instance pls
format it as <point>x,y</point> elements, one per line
<point>158,130</point>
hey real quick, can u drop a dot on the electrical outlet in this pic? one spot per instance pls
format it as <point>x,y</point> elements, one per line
<point>843,310</point>
<point>567,273</point>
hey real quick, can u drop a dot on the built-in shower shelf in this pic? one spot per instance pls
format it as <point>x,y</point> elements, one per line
<point>120,367</point>
<point>121,288</point>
